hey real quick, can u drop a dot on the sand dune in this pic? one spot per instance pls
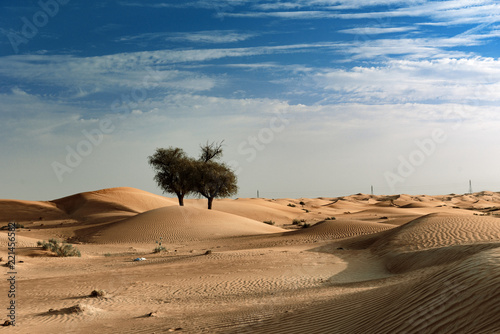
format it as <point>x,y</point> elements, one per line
<point>385,264</point>
<point>114,199</point>
<point>338,229</point>
<point>29,211</point>
<point>178,224</point>
<point>256,209</point>
<point>439,302</point>
<point>441,230</point>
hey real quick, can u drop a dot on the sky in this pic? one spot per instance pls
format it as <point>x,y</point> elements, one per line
<point>310,98</point>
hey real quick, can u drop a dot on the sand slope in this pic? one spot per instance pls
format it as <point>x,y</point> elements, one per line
<point>114,199</point>
<point>459,298</point>
<point>338,229</point>
<point>175,223</point>
<point>441,230</point>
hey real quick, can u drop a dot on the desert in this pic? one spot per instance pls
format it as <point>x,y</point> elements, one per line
<point>351,264</point>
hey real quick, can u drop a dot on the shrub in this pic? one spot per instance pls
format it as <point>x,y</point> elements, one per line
<point>291,205</point>
<point>62,250</point>
<point>16,225</point>
<point>330,218</point>
<point>159,248</point>
<point>306,225</point>
<point>302,203</point>
<point>298,221</point>
<point>306,210</point>
<point>269,222</point>
<point>97,293</point>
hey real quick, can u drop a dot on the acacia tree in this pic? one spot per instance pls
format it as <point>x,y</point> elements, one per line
<point>175,172</point>
<point>214,180</point>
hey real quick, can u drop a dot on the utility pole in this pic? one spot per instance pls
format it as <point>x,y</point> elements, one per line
<point>372,190</point>
<point>258,194</point>
<point>470,187</point>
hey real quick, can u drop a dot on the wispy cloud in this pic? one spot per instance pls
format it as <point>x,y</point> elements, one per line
<point>204,37</point>
<point>376,30</point>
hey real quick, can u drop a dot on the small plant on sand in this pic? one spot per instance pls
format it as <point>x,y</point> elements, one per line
<point>306,225</point>
<point>291,205</point>
<point>97,293</point>
<point>12,223</point>
<point>298,221</point>
<point>302,203</point>
<point>62,250</point>
<point>159,248</point>
<point>269,222</point>
<point>330,218</point>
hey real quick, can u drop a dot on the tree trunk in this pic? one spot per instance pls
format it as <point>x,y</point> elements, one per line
<point>210,200</point>
<point>181,199</point>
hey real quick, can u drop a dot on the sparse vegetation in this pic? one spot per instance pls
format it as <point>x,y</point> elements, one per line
<point>159,247</point>
<point>269,222</point>
<point>298,221</point>
<point>330,218</point>
<point>306,225</point>
<point>291,205</point>
<point>302,203</point>
<point>97,293</point>
<point>306,211</point>
<point>62,250</point>
<point>16,225</point>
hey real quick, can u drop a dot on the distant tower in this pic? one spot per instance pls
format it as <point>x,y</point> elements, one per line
<point>372,190</point>
<point>258,194</point>
<point>470,187</point>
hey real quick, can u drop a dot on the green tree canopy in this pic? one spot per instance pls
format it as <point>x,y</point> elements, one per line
<point>215,180</point>
<point>175,171</point>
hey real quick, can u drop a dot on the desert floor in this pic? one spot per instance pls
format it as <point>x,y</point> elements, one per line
<point>383,264</point>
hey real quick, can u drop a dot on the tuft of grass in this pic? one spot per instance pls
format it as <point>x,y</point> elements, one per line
<point>291,205</point>
<point>330,218</point>
<point>62,250</point>
<point>269,222</point>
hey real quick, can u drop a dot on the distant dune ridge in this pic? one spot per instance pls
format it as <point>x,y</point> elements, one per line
<point>363,264</point>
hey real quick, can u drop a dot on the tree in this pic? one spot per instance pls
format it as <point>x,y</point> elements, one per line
<point>214,180</point>
<point>175,172</point>
<point>211,151</point>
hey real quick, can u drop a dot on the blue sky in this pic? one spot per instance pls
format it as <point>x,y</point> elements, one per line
<point>312,98</point>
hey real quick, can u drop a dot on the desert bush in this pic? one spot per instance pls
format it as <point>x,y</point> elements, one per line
<point>302,203</point>
<point>330,218</point>
<point>62,250</point>
<point>291,205</point>
<point>16,225</point>
<point>97,293</point>
<point>306,225</point>
<point>298,221</point>
<point>159,248</point>
<point>269,222</point>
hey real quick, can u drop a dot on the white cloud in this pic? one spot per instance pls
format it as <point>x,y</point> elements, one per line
<point>475,80</point>
<point>206,37</point>
<point>376,30</point>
